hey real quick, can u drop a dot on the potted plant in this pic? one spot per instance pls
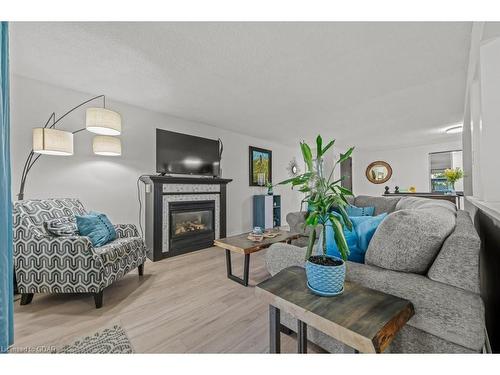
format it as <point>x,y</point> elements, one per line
<point>325,274</point>
<point>453,175</point>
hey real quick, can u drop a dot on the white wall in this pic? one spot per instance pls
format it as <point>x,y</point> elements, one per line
<point>108,184</point>
<point>488,135</point>
<point>410,167</point>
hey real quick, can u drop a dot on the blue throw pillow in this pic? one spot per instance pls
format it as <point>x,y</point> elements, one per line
<point>97,227</point>
<point>351,237</point>
<point>353,211</point>
<point>363,228</point>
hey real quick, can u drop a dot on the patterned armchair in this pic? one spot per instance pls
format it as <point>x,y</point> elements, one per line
<point>68,264</point>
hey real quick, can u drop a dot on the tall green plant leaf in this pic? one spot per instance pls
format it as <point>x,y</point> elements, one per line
<point>345,217</point>
<point>339,237</point>
<point>345,156</point>
<point>307,155</point>
<point>344,191</point>
<point>330,144</point>
<point>319,145</point>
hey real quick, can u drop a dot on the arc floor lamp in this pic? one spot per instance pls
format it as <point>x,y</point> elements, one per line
<point>51,141</point>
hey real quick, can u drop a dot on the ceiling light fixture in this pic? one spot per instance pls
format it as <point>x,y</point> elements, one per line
<point>454,129</point>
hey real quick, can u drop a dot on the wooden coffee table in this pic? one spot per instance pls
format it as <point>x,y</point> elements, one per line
<point>242,245</point>
<point>362,318</point>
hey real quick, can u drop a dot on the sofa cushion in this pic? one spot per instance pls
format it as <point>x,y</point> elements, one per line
<point>64,226</point>
<point>351,237</point>
<point>119,249</point>
<point>363,228</point>
<point>37,211</point>
<point>355,211</point>
<point>442,310</point>
<point>381,204</point>
<point>409,240</point>
<point>97,227</point>
<point>296,221</point>
<point>458,261</point>
<point>415,203</point>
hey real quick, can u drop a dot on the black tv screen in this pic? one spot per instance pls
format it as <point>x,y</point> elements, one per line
<point>178,153</point>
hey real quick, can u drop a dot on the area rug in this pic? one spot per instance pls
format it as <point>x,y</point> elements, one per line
<point>110,340</point>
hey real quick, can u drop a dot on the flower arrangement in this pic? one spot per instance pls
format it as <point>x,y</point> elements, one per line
<point>453,175</point>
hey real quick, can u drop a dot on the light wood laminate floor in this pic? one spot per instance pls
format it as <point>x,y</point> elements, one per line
<point>183,304</point>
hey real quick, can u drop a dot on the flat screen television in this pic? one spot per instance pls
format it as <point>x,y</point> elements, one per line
<point>178,153</point>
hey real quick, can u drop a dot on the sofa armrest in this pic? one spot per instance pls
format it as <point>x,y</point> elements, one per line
<point>442,310</point>
<point>280,256</point>
<point>126,230</point>
<point>296,221</point>
<point>57,264</point>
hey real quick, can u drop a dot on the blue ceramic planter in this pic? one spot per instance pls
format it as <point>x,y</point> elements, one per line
<point>325,280</point>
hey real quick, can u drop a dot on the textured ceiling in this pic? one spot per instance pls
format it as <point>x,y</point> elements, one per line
<point>373,85</point>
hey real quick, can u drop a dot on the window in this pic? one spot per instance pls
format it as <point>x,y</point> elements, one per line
<point>439,161</point>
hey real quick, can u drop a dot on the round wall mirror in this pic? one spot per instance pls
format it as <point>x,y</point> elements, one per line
<point>378,172</point>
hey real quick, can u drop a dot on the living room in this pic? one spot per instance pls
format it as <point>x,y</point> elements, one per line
<point>249,187</point>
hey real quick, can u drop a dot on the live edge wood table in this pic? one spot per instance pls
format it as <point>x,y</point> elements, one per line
<point>242,245</point>
<point>364,319</point>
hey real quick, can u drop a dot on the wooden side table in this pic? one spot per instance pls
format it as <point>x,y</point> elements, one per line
<point>362,318</point>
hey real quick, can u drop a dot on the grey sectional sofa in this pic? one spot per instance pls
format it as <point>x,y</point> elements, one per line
<point>426,251</point>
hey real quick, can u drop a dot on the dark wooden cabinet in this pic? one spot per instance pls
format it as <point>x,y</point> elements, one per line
<point>267,211</point>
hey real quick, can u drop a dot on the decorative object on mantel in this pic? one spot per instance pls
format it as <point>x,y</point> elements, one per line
<point>269,188</point>
<point>452,176</point>
<point>378,172</point>
<point>386,190</point>
<point>396,189</point>
<point>412,189</point>
<point>51,141</point>
<point>293,168</point>
<point>325,274</point>
<point>260,166</point>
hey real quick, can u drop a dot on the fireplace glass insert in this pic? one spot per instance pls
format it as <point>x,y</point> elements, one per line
<point>191,225</point>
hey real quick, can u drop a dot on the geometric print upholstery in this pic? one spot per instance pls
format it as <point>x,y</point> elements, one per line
<point>41,210</point>
<point>65,226</point>
<point>119,248</point>
<point>48,264</point>
<point>126,230</point>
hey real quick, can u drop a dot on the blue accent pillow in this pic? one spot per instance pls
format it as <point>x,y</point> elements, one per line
<point>353,211</point>
<point>351,237</point>
<point>358,239</point>
<point>97,227</point>
<point>365,227</point>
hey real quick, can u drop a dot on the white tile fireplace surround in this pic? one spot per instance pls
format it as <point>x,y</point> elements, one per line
<point>183,214</point>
